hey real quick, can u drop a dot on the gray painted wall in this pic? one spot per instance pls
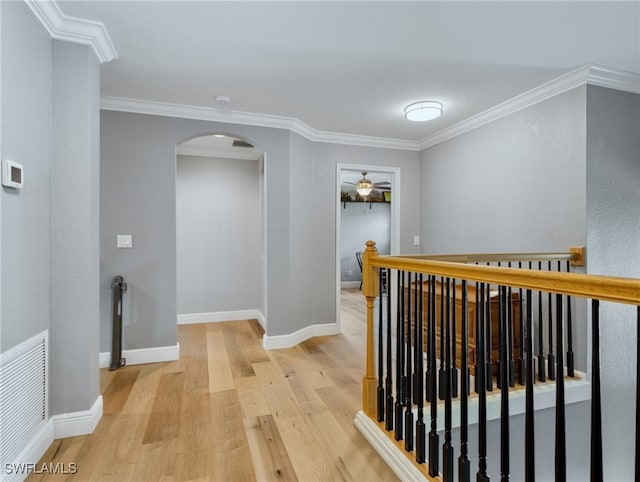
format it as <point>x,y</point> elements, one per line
<point>138,197</point>
<point>613,248</point>
<point>50,113</point>
<point>305,283</point>
<point>218,234</point>
<point>517,184</point>
<point>75,228</point>
<point>360,222</point>
<point>26,138</point>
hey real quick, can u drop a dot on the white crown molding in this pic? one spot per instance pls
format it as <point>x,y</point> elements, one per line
<point>586,74</point>
<point>72,29</point>
<point>614,79</point>
<point>253,119</point>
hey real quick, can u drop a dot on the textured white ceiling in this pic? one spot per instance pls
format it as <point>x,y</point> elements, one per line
<point>351,67</point>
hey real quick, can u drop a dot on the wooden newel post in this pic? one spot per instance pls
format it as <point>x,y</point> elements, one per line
<point>370,289</point>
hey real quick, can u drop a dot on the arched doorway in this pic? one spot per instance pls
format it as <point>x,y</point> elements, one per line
<point>220,230</point>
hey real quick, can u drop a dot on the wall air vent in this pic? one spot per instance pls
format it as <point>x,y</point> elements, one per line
<point>23,396</point>
<point>238,143</point>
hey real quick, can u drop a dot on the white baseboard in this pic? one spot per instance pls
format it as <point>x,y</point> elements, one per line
<point>262,320</point>
<point>144,355</point>
<point>77,423</point>
<point>15,471</point>
<point>350,284</point>
<point>59,426</point>
<point>286,341</point>
<point>392,455</point>
<point>217,316</point>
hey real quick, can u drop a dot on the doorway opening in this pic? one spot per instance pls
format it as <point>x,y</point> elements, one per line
<point>220,230</point>
<point>358,219</point>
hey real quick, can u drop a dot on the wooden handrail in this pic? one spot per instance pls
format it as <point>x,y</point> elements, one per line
<point>575,256</point>
<point>604,288</point>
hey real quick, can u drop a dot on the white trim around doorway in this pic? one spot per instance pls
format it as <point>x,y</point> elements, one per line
<point>395,216</point>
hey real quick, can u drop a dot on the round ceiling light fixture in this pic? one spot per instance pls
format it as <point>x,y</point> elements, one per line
<point>424,110</point>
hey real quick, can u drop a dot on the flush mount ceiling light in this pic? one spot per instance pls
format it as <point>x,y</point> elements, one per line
<point>424,110</point>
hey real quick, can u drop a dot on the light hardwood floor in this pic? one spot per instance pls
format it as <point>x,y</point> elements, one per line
<point>230,411</point>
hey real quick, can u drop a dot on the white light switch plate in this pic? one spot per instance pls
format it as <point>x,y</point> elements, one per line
<point>124,241</point>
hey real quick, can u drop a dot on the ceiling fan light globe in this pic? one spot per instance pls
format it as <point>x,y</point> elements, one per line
<point>364,186</point>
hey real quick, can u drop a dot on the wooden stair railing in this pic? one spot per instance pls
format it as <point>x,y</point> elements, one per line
<point>433,306</point>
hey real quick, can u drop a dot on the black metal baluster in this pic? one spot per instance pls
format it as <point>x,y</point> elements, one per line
<point>521,341</point>
<point>570,364</point>
<point>454,364</point>
<point>509,333</point>
<point>443,367</point>
<point>389,379</point>
<point>501,299</point>
<point>408,399</point>
<point>501,334</point>
<point>417,353</point>
<point>482,475</point>
<point>488,343</point>
<point>447,448</point>
<point>399,358</point>
<point>478,309</point>
<point>596,402</point>
<point>529,430</point>
<point>551,359</point>
<point>380,352</point>
<point>406,380</point>
<point>464,469</point>
<point>431,368</point>
<point>637,458</point>
<point>504,390</point>
<point>420,427</point>
<point>561,443</point>
<point>541,364</point>
<point>434,438</point>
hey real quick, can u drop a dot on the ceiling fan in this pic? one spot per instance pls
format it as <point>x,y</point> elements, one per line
<point>364,186</point>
